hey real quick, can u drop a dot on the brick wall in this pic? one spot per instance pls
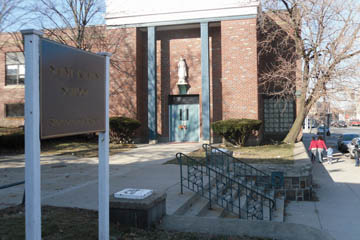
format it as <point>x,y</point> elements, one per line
<point>233,72</point>
<point>171,45</point>
<point>9,94</point>
<point>123,72</point>
<point>239,69</point>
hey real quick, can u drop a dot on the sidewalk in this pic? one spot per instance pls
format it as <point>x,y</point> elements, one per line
<point>73,182</point>
<point>337,187</point>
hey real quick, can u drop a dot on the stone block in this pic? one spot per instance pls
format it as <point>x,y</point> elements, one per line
<point>141,213</point>
<point>287,183</point>
<point>307,195</point>
<point>295,180</point>
<point>290,195</point>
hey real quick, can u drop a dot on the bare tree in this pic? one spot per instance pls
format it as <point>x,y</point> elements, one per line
<point>80,23</point>
<point>10,10</point>
<point>74,22</point>
<point>310,49</point>
<point>13,15</point>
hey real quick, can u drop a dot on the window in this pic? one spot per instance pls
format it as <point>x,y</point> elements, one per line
<point>14,110</point>
<point>15,68</point>
<point>279,116</point>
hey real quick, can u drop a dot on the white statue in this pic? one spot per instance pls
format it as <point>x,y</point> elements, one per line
<point>182,71</point>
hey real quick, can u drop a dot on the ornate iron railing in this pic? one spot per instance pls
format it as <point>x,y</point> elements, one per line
<point>223,190</point>
<point>235,168</point>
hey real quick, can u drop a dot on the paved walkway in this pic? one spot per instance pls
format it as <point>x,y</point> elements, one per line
<point>71,181</point>
<point>337,187</point>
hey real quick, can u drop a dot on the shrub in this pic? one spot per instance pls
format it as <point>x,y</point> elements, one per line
<point>122,129</point>
<point>236,131</point>
<point>13,142</point>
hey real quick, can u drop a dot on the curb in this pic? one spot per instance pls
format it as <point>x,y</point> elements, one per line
<point>238,227</point>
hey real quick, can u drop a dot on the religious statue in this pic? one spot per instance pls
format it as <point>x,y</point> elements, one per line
<point>182,71</point>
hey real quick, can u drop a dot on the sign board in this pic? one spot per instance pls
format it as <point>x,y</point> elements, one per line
<point>72,91</point>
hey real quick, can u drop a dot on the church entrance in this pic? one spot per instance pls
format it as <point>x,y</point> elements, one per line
<point>184,118</point>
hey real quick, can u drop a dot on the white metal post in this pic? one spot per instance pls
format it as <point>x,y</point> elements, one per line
<point>32,135</point>
<point>104,162</point>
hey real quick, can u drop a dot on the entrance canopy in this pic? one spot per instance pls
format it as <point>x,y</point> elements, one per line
<point>130,13</point>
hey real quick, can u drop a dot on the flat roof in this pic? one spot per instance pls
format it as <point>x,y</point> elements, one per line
<point>161,12</point>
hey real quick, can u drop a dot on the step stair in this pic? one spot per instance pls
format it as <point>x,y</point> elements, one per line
<point>229,194</point>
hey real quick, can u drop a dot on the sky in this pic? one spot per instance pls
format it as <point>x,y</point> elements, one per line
<point>32,21</point>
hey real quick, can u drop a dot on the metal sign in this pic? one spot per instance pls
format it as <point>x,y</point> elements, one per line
<point>72,91</point>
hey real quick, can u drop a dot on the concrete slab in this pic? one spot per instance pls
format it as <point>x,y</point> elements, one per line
<point>71,181</point>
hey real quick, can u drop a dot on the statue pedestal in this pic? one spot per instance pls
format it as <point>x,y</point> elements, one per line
<point>183,88</point>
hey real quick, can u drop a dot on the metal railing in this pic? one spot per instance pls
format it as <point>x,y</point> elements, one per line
<point>223,190</point>
<point>235,168</point>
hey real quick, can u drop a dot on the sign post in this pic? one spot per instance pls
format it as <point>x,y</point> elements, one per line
<point>66,93</point>
<point>32,138</point>
<point>104,162</point>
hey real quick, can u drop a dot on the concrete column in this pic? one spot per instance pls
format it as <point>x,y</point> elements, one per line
<point>152,103</point>
<point>205,81</point>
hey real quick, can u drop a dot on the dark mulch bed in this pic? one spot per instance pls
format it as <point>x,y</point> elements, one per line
<point>80,224</point>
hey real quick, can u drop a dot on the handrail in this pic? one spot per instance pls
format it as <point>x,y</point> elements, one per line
<point>236,168</point>
<point>238,160</point>
<point>196,174</point>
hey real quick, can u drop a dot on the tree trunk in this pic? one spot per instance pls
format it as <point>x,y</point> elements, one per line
<point>297,126</point>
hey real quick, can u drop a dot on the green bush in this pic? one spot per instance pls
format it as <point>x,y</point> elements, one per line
<point>122,129</point>
<point>13,142</point>
<point>236,131</point>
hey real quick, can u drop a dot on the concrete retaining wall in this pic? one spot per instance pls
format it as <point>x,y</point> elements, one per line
<point>297,176</point>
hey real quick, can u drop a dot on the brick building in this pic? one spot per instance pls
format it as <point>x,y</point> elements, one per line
<point>218,42</point>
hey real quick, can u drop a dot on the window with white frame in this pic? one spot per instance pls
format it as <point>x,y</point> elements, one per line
<point>14,110</point>
<point>279,115</point>
<point>15,68</point>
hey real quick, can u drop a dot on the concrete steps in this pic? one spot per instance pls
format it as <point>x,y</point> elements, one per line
<point>192,204</point>
<point>226,200</point>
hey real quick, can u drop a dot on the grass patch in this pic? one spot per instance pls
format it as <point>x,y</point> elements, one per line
<point>12,142</point>
<point>73,223</point>
<point>273,154</point>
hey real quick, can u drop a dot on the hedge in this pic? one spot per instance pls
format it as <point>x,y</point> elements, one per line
<point>122,129</point>
<point>236,131</point>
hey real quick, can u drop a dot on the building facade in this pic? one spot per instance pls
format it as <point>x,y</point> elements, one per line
<point>176,67</point>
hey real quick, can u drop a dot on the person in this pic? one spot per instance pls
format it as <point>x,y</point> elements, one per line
<point>320,148</point>
<point>357,155</point>
<point>313,149</point>
<point>329,154</point>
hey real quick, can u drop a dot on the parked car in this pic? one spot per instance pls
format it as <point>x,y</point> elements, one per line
<point>351,146</point>
<point>342,124</point>
<point>344,140</point>
<point>354,123</point>
<point>322,129</point>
